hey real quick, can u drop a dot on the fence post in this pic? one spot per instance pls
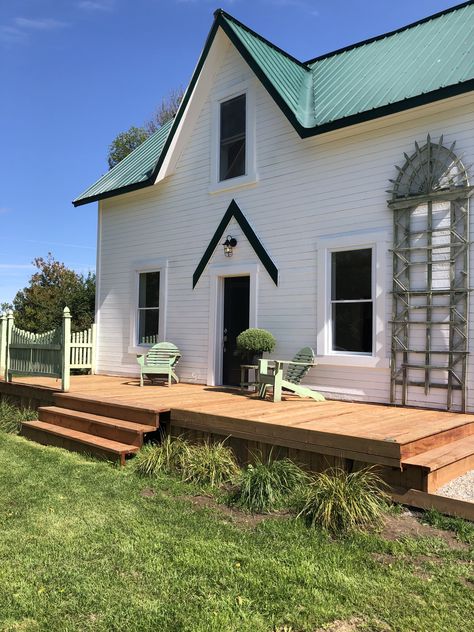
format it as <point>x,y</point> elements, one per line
<point>8,340</point>
<point>94,348</point>
<point>3,342</point>
<point>66,359</point>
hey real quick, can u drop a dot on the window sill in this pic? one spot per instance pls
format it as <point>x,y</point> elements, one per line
<point>138,349</point>
<point>234,183</point>
<point>372,362</point>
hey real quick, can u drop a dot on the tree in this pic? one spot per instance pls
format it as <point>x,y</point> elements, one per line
<point>125,142</point>
<point>39,307</point>
<point>165,111</point>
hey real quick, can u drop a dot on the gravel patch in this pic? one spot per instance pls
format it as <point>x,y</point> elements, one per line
<point>461,487</point>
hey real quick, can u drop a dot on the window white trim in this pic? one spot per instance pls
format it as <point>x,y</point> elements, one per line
<point>378,241</point>
<point>217,274</point>
<point>251,177</point>
<point>138,267</point>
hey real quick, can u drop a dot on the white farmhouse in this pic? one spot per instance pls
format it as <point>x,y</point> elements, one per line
<point>341,186</point>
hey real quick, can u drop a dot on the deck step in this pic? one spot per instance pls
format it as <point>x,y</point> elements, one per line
<point>445,462</point>
<point>437,439</point>
<point>116,410</point>
<point>119,430</point>
<point>51,434</point>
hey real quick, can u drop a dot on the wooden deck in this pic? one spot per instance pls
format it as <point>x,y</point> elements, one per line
<point>417,448</point>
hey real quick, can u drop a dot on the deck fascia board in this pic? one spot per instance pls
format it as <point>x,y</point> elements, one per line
<point>365,432</point>
<point>266,431</point>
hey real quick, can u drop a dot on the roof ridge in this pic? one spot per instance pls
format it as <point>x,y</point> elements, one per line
<point>375,38</point>
<point>227,16</point>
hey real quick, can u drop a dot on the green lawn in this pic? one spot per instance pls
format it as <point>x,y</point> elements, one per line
<point>82,549</point>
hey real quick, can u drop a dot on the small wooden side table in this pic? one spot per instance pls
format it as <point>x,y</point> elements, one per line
<point>245,376</point>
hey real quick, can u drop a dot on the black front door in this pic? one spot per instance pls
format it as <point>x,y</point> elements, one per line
<point>236,319</point>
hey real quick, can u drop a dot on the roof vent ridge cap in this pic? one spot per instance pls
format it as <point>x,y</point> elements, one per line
<point>306,101</point>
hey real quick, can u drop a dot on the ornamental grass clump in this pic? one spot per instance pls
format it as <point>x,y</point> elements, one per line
<point>11,416</point>
<point>210,463</point>
<point>166,457</point>
<point>341,502</point>
<point>264,486</point>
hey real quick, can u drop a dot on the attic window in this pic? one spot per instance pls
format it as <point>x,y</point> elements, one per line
<point>232,138</point>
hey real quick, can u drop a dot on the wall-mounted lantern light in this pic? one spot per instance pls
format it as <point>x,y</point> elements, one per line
<point>229,244</point>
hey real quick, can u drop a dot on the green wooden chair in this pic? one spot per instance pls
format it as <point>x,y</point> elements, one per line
<point>161,359</point>
<point>272,374</point>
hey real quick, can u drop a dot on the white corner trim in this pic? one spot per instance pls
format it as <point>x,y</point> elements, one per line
<point>147,265</point>
<point>98,268</point>
<point>217,274</point>
<point>379,242</point>
<point>251,176</point>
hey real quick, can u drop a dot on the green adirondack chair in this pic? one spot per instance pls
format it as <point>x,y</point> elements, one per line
<point>272,374</point>
<point>161,359</point>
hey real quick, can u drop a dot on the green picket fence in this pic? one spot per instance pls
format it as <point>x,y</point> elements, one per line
<point>82,349</point>
<point>50,354</point>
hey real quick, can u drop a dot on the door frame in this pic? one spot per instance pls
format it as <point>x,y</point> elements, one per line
<point>217,274</point>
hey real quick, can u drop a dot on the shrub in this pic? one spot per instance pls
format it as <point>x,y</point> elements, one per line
<point>166,457</point>
<point>264,485</point>
<point>255,341</point>
<point>340,502</point>
<point>12,415</point>
<point>209,463</point>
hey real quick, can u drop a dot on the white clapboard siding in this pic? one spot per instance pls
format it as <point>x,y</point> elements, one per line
<point>308,189</point>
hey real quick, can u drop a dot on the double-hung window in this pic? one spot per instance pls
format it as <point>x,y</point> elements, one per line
<point>351,301</point>
<point>148,317</point>
<point>232,138</point>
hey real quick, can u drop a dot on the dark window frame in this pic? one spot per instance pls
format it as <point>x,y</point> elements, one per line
<point>142,309</point>
<point>335,301</point>
<point>231,142</point>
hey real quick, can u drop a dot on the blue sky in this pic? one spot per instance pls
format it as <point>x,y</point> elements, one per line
<point>74,73</point>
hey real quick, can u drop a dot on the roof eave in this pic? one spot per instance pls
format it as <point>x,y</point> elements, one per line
<point>113,192</point>
<point>392,108</point>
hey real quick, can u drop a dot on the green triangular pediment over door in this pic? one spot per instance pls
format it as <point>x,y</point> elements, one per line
<point>234,212</point>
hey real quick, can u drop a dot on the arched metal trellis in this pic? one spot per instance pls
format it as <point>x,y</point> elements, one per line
<point>429,200</point>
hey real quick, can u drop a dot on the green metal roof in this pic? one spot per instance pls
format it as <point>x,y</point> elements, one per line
<point>135,168</point>
<point>426,57</point>
<point>408,67</point>
<point>422,62</point>
<point>290,77</point>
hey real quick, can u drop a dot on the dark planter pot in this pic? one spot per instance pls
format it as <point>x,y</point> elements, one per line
<point>255,357</point>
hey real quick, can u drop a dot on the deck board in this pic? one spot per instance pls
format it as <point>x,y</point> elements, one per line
<point>392,437</point>
<point>376,422</point>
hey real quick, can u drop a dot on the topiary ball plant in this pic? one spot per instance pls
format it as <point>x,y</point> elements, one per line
<point>255,342</point>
